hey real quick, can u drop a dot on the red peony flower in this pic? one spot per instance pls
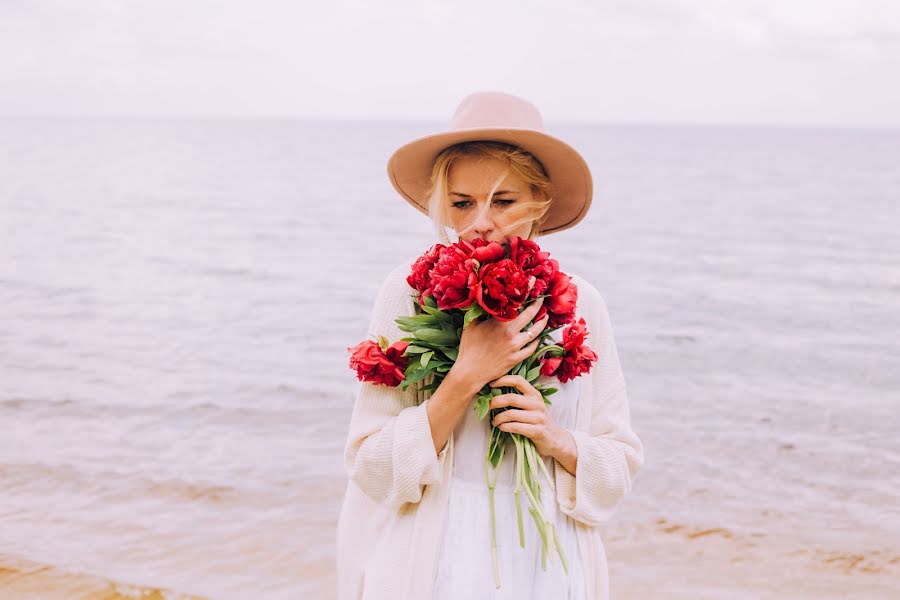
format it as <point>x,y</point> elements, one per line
<point>453,279</point>
<point>560,303</point>
<point>534,262</point>
<point>487,252</point>
<point>419,277</point>
<point>383,367</point>
<point>502,289</point>
<point>578,357</point>
<point>550,364</point>
<point>480,249</point>
<point>574,335</point>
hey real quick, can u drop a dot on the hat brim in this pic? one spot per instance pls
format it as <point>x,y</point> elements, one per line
<point>409,169</point>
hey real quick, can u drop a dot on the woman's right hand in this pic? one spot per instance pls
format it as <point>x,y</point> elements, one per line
<point>489,349</point>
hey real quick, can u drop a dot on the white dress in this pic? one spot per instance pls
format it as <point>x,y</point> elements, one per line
<point>465,568</point>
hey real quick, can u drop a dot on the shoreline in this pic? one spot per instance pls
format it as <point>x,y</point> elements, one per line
<point>26,580</point>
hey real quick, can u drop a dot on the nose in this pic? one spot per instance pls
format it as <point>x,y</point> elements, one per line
<point>484,225</point>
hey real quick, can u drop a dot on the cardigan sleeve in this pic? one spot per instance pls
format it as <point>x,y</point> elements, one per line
<point>389,451</point>
<point>610,454</point>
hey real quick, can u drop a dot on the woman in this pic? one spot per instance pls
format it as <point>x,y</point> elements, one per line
<point>415,519</point>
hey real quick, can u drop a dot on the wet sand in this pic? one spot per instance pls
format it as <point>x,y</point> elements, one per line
<point>680,562</point>
<point>23,580</point>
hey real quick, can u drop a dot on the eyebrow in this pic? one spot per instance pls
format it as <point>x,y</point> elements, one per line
<point>497,193</point>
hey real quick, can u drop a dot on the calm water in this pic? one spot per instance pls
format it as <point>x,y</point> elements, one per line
<point>176,299</point>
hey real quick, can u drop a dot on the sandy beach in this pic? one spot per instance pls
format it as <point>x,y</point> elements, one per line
<point>22,580</point>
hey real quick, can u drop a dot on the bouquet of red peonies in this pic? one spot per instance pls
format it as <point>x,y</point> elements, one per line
<point>456,285</point>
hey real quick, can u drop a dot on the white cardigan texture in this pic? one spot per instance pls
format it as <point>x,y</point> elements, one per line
<point>396,496</point>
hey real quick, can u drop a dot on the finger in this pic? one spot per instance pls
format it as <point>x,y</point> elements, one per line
<point>517,416</point>
<point>536,328</point>
<point>520,383</point>
<point>526,315</point>
<point>512,399</point>
<point>527,429</point>
<point>526,351</point>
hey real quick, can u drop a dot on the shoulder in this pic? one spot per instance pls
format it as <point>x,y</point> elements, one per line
<point>588,294</point>
<point>395,298</point>
<point>395,278</point>
<point>592,306</point>
<point>394,289</point>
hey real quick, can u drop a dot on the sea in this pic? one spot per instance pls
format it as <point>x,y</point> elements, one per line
<point>177,297</point>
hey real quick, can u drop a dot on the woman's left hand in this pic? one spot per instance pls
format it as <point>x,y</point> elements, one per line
<point>529,416</point>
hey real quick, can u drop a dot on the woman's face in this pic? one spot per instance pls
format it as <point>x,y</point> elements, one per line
<point>472,213</point>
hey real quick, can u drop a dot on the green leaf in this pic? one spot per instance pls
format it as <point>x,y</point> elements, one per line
<point>426,357</point>
<point>437,313</point>
<point>436,336</point>
<point>425,319</point>
<point>482,406</point>
<point>447,327</point>
<point>414,323</point>
<point>383,342</point>
<point>472,313</point>
<point>533,373</point>
<point>451,353</point>
<point>412,349</point>
<point>417,374</point>
<point>430,301</point>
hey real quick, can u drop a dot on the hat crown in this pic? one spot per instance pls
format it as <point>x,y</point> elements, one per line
<point>496,109</point>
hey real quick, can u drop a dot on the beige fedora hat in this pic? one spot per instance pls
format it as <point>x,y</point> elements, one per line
<point>501,117</point>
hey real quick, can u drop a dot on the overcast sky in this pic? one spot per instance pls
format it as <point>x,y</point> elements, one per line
<point>833,62</point>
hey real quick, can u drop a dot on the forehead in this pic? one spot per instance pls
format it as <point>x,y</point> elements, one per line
<point>475,173</point>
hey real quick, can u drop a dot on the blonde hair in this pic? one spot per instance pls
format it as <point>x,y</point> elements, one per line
<point>519,162</point>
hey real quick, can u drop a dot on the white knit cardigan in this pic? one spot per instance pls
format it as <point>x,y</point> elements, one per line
<point>395,501</point>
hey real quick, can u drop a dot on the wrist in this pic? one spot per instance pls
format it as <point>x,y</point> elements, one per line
<point>564,448</point>
<point>462,382</point>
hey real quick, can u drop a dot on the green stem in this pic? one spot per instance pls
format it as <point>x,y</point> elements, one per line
<point>539,521</point>
<point>537,511</point>
<point>519,471</point>
<point>492,484</point>
<point>494,540</point>
<point>544,545</point>
<point>534,501</point>
<point>532,468</point>
<point>559,549</point>
<point>519,519</point>
<point>540,461</point>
